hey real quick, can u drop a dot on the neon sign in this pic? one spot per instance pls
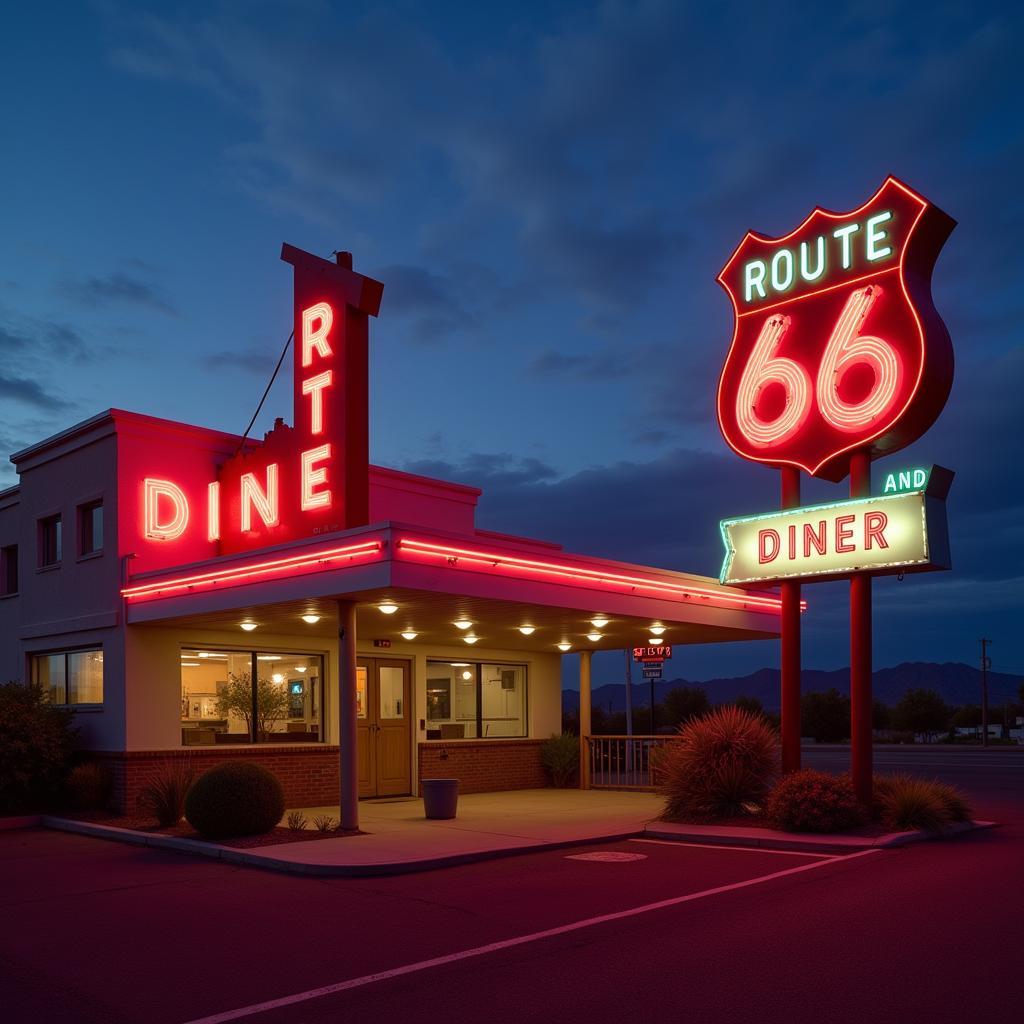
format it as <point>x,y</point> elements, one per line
<point>836,345</point>
<point>305,479</point>
<point>906,480</point>
<point>887,534</point>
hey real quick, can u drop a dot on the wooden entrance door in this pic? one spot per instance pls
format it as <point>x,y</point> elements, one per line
<point>384,720</point>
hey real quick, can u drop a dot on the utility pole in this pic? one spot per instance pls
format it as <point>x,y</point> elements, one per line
<point>986,664</point>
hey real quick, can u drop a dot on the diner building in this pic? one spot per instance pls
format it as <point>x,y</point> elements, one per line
<point>191,594</point>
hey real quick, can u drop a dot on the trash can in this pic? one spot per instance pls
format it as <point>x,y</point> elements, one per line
<point>440,797</point>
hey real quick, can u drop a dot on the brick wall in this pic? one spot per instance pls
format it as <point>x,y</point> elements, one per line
<point>484,765</point>
<point>309,775</point>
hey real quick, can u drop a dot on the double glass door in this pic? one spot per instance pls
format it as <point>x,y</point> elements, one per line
<point>384,727</point>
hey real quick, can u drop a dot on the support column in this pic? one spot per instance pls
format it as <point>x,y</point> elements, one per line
<point>348,752</point>
<point>585,699</point>
<point>790,644</point>
<point>861,738</point>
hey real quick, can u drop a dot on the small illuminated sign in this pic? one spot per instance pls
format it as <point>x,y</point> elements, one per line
<point>906,480</point>
<point>836,343</point>
<point>886,534</point>
<point>661,652</point>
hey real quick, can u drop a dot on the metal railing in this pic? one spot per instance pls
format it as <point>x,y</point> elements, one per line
<point>624,762</point>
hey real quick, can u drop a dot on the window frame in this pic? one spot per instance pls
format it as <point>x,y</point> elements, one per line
<point>66,653</point>
<point>84,530</point>
<point>42,525</point>
<point>478,668</point>
<point>5,571</point>
<point>253,655</point>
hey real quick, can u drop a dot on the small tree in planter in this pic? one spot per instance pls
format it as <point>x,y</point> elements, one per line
<point>236,699</point>
<point>560,758</point>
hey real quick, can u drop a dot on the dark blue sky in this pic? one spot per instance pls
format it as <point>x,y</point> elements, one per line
<point>548,192</point>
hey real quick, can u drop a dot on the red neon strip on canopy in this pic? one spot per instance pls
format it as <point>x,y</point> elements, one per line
<point>254,569</point>
<point>566,572</point>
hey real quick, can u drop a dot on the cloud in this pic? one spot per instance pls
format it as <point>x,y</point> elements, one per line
<point>29,392</point>
<point>427,298</point>
<point>116,289</point>
<point>260,363</point>
<point>28,337</point>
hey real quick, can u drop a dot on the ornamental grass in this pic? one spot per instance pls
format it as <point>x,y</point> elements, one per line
<point>720,762</point>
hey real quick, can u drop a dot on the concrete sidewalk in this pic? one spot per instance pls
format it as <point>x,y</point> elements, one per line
<point>399,839</point>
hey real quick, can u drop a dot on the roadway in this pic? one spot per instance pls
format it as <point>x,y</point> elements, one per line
<point>96,931</point>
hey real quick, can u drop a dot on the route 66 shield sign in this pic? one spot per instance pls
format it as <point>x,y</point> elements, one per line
<point>837,345</point>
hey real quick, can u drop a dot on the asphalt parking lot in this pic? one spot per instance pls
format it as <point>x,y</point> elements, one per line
<point>97,931</point>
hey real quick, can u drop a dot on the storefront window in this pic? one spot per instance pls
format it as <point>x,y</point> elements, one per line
<point>220,704</point>
<point>471,700</point>
<point>70,677</point>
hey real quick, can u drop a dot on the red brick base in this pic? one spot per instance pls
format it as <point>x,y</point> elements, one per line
<point>308,774</point>
<point>484,766</point>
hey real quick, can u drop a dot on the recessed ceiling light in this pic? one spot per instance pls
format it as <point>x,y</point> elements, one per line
<point>301,668</point>
<point>655,641</point>
<point>410,634</point>
<point>248,626</point>
<point>563,646</point>
<point>471,639</point>
<point>600,622</point>
<point>526,630</point>
<point>657,630</point>
<point>462,623</point>
<point>388,607</point>
<point>190,664</point>
<point>311,619</point>
<point>268,657</point>
<point>459,664</point>
<point>594,637</point>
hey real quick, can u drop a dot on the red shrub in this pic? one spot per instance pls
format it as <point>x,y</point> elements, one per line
<point>810,801</point>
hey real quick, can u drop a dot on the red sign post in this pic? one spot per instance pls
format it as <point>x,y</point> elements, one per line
<point>838,356</point>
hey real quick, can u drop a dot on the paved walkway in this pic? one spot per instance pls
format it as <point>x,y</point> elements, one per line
<point>487,824</point>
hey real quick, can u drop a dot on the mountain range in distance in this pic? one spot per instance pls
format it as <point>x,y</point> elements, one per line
<point>956,683</point>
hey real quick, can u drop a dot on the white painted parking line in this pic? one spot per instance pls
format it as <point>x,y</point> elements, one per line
<point>519,940</point>
<point>741,849</point>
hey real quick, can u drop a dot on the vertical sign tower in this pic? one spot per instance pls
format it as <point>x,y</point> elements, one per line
<point>838,357</point>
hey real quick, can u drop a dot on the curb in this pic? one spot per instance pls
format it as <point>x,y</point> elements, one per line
<point>251,858</point>
<point>835,844</point>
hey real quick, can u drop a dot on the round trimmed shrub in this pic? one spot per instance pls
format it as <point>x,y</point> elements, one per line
<point>237,798</point>
<point>719,763</point>
<point>810,801</point>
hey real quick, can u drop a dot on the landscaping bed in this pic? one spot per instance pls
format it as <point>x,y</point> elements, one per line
<point>274,837</point>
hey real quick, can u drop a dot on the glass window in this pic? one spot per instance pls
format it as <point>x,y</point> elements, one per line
<point>392,692</point>
<point>9,569</point>
<point>70,677</point>
<point>470,700</point>
<point>221,705</point>
<point>503,700</point>
<point>50,546</point>
<point>49,672</point>
<point>90,528</point>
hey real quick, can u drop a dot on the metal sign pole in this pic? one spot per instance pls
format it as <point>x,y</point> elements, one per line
<point>790,643</point>
<point>861,737</point>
